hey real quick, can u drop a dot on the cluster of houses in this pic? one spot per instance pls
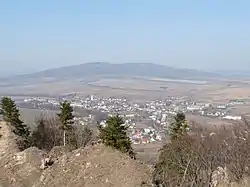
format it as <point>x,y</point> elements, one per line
<point>144,136</point>
<point>159,113</point>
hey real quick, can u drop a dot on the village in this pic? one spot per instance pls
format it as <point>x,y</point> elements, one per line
<point>147,122</point>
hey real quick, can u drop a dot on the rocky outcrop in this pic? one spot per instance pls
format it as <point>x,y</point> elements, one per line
<point>23,168</point>
<point>17,168</point>
<point>7,141</point>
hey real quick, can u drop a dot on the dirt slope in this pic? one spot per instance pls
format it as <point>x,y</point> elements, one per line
<point>7,141</point>
<point>17,168</point>
<point>93,166</point>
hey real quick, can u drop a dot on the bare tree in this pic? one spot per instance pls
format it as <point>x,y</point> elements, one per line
<point>48,133</point>
<point>79,136</point>
<point>191,160</point>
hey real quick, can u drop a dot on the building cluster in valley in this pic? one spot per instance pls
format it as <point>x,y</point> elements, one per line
<point>147,121</point>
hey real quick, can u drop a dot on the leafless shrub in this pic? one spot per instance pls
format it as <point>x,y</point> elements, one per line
<point>192,159</point>
<point>48,134</point>
<point>237,153</point>
<point>79,136</point>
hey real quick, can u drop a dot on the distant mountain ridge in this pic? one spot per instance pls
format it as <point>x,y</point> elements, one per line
<point>125,69</point>
<point>234,73</point>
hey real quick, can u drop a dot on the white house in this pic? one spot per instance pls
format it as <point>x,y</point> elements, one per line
<point>233,117</point>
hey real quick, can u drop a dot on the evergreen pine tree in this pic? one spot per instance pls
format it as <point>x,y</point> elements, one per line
<point>114,134</point>
<point>11,116</point>
<point>9,111</point>
<point>66,118</point>
<point>179,126</point>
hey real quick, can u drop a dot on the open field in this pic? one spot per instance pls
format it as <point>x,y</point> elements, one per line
<point>209,122</point>
<point>29,115</point>
<point>148,152</point>
<point>136,89</point>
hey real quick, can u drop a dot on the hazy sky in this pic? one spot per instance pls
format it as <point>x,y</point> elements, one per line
<point>210,35</point>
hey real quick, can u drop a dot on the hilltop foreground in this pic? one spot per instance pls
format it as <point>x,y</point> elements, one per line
<point>99,166</point>
<point>92,166</point>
